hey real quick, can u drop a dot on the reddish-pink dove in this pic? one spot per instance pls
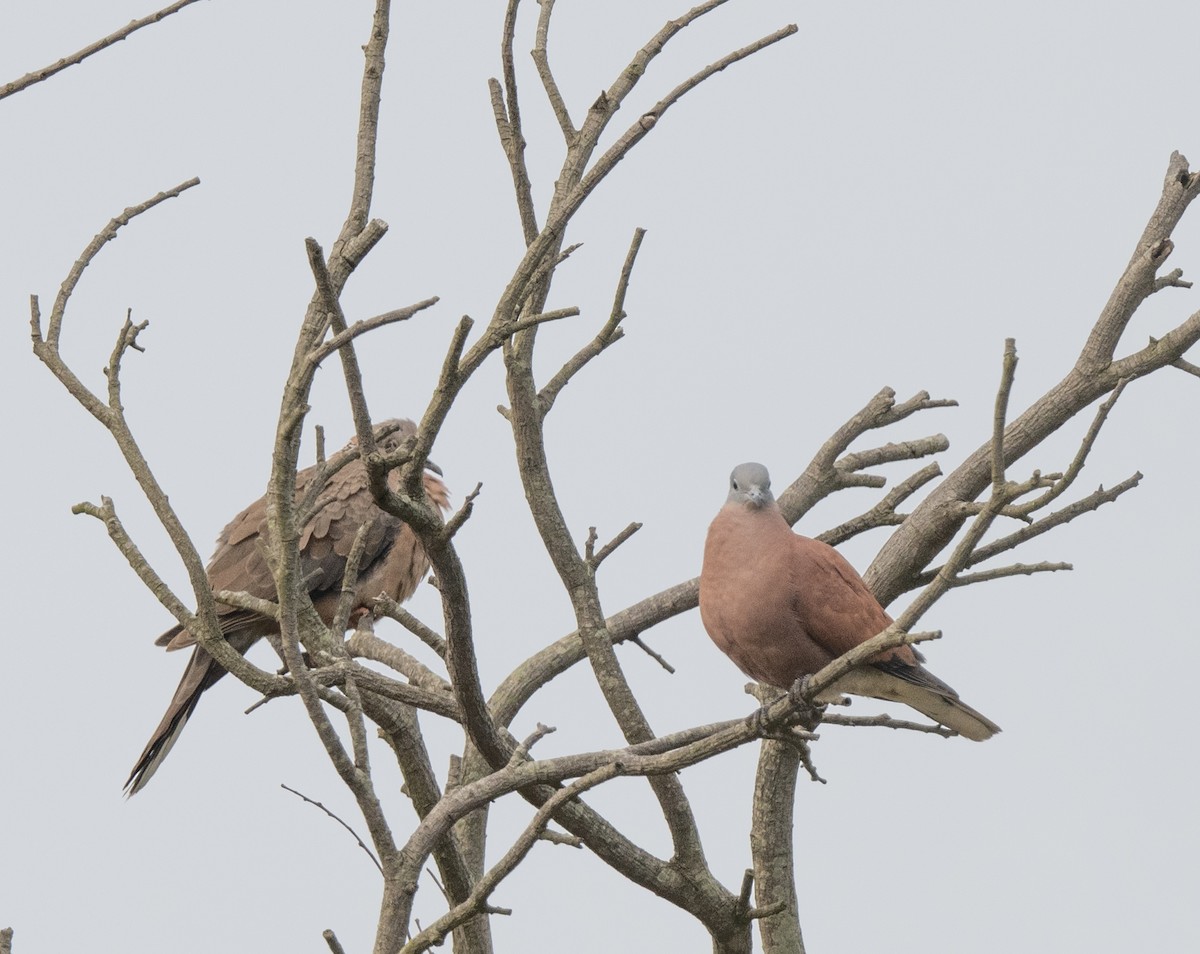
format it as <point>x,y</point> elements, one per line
<point>393,562</point>
<point>781,606</point>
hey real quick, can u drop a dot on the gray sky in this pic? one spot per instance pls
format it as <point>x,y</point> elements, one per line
<point>880,200</point>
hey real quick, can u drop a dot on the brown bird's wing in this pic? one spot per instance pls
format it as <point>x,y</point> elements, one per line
<point>840,612</point>
<point>833,604</point>
<point>393,562</point>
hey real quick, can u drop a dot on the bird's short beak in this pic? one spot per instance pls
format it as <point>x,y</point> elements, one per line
<point>430,465</point>
<point>755,497</point>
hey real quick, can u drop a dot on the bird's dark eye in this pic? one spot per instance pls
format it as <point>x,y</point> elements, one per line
<point>734,484</point>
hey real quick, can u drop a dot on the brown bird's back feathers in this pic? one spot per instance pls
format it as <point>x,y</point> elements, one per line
<point>393,562</point>
<point>782,606</point>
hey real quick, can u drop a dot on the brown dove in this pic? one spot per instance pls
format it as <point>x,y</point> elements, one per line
<point>393,562</point>
<point>781,606</point>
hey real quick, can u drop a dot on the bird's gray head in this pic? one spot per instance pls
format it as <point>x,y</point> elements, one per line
<point>750,485</point>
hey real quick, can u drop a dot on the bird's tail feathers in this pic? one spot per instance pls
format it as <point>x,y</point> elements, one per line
<point>916,687</point>
<point>201,672</point>
<point>156,750</point>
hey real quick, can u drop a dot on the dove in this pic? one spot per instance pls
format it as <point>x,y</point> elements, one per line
<point>393,562</point>
<point>782,606</point>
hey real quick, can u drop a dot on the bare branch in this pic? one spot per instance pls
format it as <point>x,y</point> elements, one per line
<point>369,324</point>
<point>892,452</point>
<point>106,513</point>
<point>368,128</point>
<point>1000,416</point>
<point>559,838</point>
<point>242,600</point>
<point>887,722</point>
<point>386,606</point>
<point>937,519</point>
<point>328,297</point>
<point>823,476</point>
<point>1016,569</point>
<point>298,621</point>
<point>49,347</point>
<point>637,641</point>
<point>1187,366</point>
<point>884,513</point>
<point>357,247</point>
<point>508,125</point>
<point>1173,279</point>
<point>542,60</point>
<point>432,698</point>
<point>609,548</point>
<point>230,658</point>
<point>341,618</point>
<point>1092,501</point>
<point>436,932</point>
<point>462,515</point>
<point>609,102</point>
<point>609,334</point>
<point>1068,477</point>
<point>335,946</point>
<point>522,323</point>
<point>361,843</point>
<point>774,857</point>
<point>1180,187</point>
<point>367,645</point>
<point>117,36</point>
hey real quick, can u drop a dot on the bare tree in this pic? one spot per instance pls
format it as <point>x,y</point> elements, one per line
<point>938,545</point>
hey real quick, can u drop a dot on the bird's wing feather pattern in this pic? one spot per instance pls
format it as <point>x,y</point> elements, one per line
<point>393,562</point>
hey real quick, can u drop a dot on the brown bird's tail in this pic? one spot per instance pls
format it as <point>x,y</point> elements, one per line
<point>201,672</point>
<point>915,686</point>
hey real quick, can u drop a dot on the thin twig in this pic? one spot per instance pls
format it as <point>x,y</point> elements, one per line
<point>360,328</point>
<point>637,641</point>
<point>386,606</point>
<point>542,60</point>
<point>609,548</point>
<point>1173,279</point>
<point>1066,479</point>
<point>507,110</point>
<point>102,238</point>
<point>117,36</point>
<point>529,321</point>
<point>608,335</point>
<point>1092,501</point>
<point>361,844</point>
<point>892,452</point>
<point>887,722</point>
<point>462,515</point>
<point>1016,569</point>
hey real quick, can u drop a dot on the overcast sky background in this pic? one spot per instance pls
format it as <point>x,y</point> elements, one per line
<point>879,200</point>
